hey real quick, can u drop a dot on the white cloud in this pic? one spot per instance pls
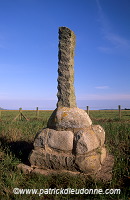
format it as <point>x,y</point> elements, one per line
<point>104,97</point>
<point>117,41</point>
<point>104,49</point>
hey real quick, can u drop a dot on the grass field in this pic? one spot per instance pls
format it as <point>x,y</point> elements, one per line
<point>16,139</point>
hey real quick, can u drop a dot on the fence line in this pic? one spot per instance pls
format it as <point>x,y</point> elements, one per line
<point>21,116</point>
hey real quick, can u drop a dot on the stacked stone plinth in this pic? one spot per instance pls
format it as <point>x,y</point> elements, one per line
<point>69,142</point>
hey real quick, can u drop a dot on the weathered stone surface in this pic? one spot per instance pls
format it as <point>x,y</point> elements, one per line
<point>45,160</point>
<point>57,140</point>
<point>103,154</point>
<point>60,140</point>
<point>88,164</point>
<point>100,133</point>
<point>24,168</point>
<point>40,140</point>
<point>105,174</point>
<point>66,93</point>
<point>86,141</point>
<point>64,118</point>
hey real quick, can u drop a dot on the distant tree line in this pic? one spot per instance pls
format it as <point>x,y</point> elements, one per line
<point>2,108</point>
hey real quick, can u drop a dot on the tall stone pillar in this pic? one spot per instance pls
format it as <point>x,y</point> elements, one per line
<point>66,93</point>
<point>70,141</point>
<point>67,116</point>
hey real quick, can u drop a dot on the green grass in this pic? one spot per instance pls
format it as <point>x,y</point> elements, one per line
<point>110,115</point>
<point>16,139</point>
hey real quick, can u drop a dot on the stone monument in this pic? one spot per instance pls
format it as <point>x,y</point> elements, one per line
<point>66,93</point>
<point>70,141</point>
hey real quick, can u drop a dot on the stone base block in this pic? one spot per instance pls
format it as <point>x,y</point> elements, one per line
<point>53,160</point>
<point>89,163</point>
<point>104,174</point>
<point>54,140</point>
<point>64,118</point>
<point>86,141</point>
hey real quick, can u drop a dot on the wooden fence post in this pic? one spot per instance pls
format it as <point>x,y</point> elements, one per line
<point>88,110</point>
<point>37,112</point>
<point>119,108</point>
<point>20,113</point>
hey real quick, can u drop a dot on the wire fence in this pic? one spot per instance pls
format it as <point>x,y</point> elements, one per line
<point>37,113</point>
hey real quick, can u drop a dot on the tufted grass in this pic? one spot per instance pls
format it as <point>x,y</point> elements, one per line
<point>16,142</point>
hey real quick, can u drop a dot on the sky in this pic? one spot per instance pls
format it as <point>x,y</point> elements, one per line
<point>29,52</point>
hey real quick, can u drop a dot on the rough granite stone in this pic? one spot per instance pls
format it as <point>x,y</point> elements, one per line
<point>60,140</point>
<point>103,154</point>
<point>64,118</point>
<point>105,174</point>
<point>88,164</point>
<point>86,141</point>
<point>57,140</point>
<point>100,133</point>
<point>40,140</point>
<point>46,160</point>
<point>66,93</point>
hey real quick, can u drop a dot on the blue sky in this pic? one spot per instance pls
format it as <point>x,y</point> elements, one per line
<point>29,52</point>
